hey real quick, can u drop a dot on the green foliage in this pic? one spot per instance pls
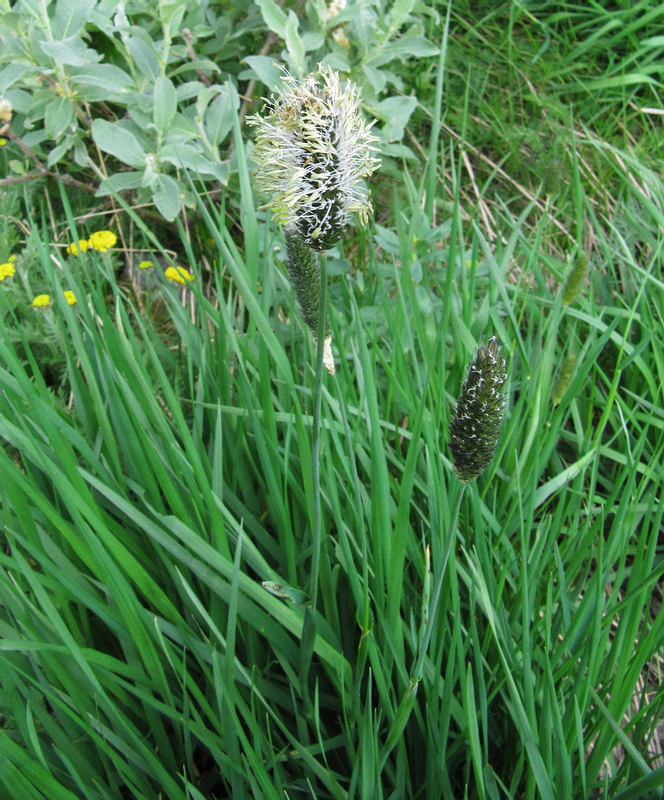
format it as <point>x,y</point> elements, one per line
<point>140,523</point>
<point>158,627</point>
<point>156,89</point>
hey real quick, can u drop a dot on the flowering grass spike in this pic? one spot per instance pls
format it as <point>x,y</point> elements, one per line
<point>575,279</point>
<point>564,379</point>
<point>312,150</point>
<point>476,422</point>
<point>304,273</point>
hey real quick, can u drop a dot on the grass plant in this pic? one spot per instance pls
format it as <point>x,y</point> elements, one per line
<point>497,640</point>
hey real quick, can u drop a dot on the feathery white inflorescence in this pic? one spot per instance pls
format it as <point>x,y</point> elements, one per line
<point>312,151</point>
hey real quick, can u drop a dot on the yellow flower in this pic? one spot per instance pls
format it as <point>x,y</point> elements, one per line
<point>42,301</point>
<point>74,249</point>
<point>71,298</point>
<point>3,142</point>
<point>102,240</point>
<point>145,265</point>
<point>178,275</point>
<point>6,270</point>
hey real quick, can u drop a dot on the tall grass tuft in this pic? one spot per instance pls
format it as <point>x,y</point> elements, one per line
<point>495,639</point>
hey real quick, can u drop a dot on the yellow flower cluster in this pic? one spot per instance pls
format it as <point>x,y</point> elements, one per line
<point>145,265</point>
<point>6,270</point>
<point>178,275</point>
<point>81,247</point>
<point>102,240</point>
<point>99,240</point>
<point>42,301</point>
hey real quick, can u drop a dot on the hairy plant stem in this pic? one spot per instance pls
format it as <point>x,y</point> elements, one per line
<point>316,433</point>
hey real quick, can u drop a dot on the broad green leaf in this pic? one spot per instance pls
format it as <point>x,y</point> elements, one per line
<point>189,89</point>
<point>204,64</point>
<point>410,46</point>
<point>318,10</point>
<point>424,301</point>
<point>57,152</point>
<point>294,44</point>
<point>218,119</point>
<point>376,77</point>
<point>167,196</point>
<point>70,17</point>
<point>396,151</point>
<point>120,182</point>
<point>395,112</point>
<point>71,51</point>
<point>398,13</point>
<point>14,72</point>
<point>171,13</point>
<point>312,41</point>
<point>113,138</point>
<point>165,104</point>
<point>58,116</point>
<point>204,97</point>
<point>102,82</point>
<point>274,17</point>
<point>336,61</point>
<point>145,57</point>
<point>188,156</point>
<point>266,71</point>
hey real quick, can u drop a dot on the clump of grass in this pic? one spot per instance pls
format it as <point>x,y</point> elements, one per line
<point>500,641</point>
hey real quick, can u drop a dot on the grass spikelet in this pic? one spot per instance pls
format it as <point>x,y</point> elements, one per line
<point>575,279</point>
<point>564,379</point>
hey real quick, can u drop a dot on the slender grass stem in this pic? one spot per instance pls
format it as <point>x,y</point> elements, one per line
<point>425,634</point>
<point>407,703</point>
<point>316,433</point>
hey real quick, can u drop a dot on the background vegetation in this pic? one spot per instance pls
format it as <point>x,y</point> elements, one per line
<point>156,433</point>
